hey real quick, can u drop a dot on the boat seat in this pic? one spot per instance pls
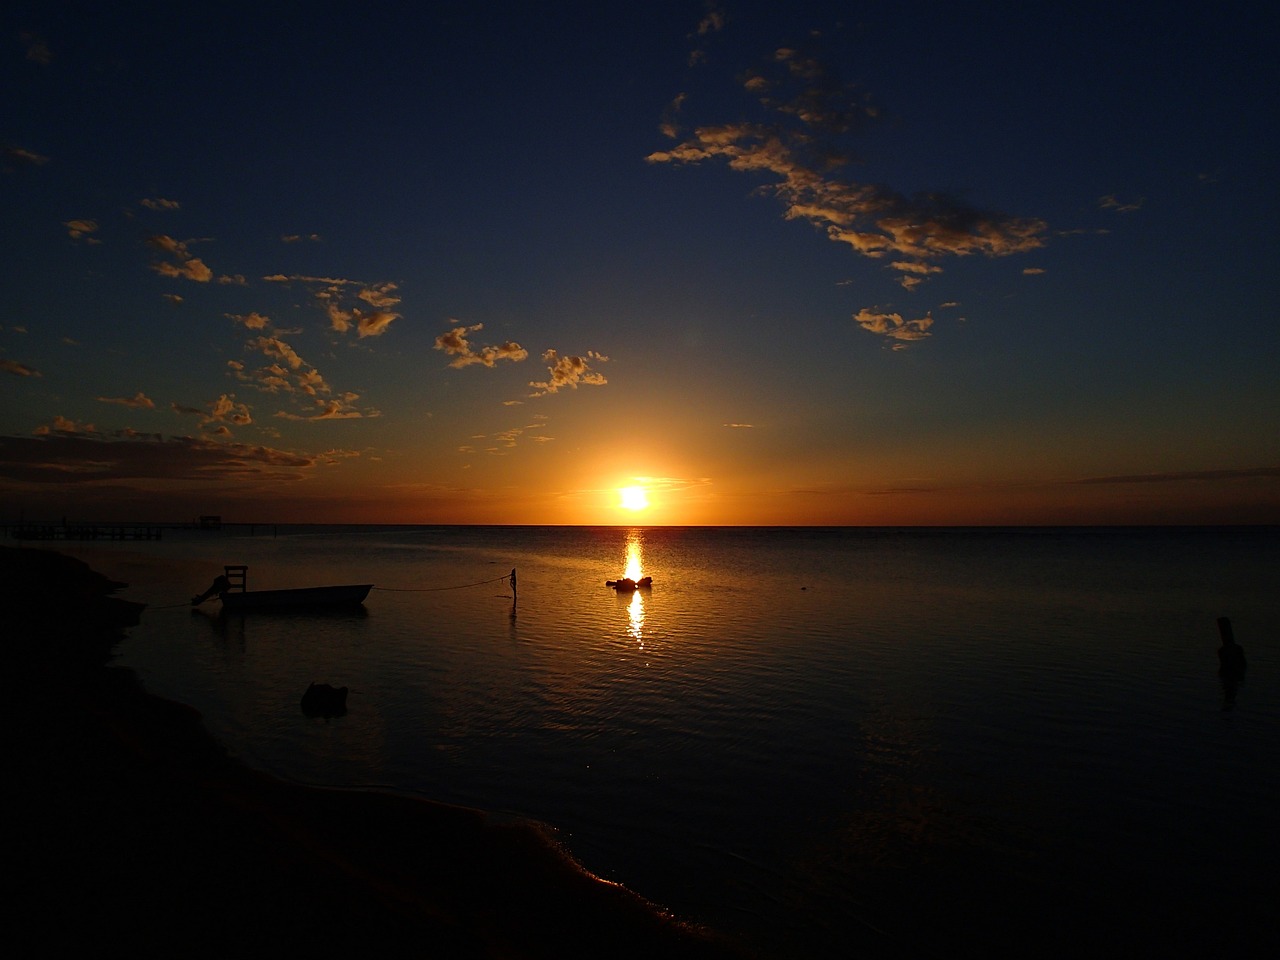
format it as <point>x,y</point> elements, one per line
<point>237,576</point>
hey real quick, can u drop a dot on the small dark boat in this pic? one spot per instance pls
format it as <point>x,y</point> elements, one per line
<point>626,584</point>
<point>231,589</point>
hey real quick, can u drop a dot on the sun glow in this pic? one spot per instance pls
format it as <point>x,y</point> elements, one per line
<point>633,498</point>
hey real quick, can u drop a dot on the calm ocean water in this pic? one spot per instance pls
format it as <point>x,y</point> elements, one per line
<point>828,742</point>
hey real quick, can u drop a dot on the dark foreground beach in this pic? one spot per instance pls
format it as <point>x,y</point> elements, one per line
<point>133,827</point>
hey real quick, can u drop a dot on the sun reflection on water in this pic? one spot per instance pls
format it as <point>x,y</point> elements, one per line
<point>635,547</point>
<point>635,614</point>
<point>634,571</point>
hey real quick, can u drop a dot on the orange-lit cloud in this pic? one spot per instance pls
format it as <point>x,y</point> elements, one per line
<point>160,203</point>
<point>252,321</point>
<point>342,318</point>
<point>18,369</point>
<point>139,401</point>
<point>455,344</point>
<point>181,263</point>
<point>82,230</point>
<point>66,425</point>
<point>808,106</point>
<point>568,372</point>
<point>893,326</point>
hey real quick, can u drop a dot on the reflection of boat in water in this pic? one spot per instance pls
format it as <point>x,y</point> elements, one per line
<point>232,590</point>
<point>626,584</point>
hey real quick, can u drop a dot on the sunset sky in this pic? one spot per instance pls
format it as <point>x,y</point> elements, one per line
<point>842,263</point>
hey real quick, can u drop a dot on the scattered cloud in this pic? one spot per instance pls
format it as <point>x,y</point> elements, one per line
<point>713,22</point>
<point>568,372</point>
<point>298,237</point>
<point>893,326</point>
<point>18,369</point>
<point>342,319</point>
<point>252,321</point>
<point>139,401</point>
<point>23,157</point>
<point>379,295</point>
<point>455,344</point>
<point>367,323</point>
<point>181,262</point>
<point>1109,202</point>
<point>289,375</point>
<point>218,416</point>
<point>740,426</point>
<point>159,203</point>
<point>37,49</point>
<point>64,425</point>
<point>82,230</point>
<point>808,109</point>
<point>1033,271</point>
<point>69,453</point>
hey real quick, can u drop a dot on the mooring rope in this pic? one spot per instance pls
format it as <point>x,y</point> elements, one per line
<point>461,586</point>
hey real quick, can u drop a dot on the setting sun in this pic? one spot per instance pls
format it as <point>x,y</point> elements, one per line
<point>633,498</point>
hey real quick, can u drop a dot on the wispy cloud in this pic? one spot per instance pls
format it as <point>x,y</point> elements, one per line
<point>37,49</point>
<point>21,156</point>
<point>455,344</point>
<point>64,425</point>
<point>73,454</point>
<point>1187,476</point>
<point>159,203</point>
<point>808,113</point>
<point>1109,202</point>
<point>18,369</point>
<point>139,401</point>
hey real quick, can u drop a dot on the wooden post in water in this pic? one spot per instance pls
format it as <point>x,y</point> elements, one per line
<point>513,586</point>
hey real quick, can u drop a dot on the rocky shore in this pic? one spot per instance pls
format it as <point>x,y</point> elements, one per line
<point>133,827</point>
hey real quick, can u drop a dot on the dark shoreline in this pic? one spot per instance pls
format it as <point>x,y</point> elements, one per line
<point>133,823</point>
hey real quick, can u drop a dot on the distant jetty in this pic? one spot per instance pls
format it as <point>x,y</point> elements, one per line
<point>84,531</point>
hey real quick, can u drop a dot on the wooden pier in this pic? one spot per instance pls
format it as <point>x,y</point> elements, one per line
<point>83,531</point>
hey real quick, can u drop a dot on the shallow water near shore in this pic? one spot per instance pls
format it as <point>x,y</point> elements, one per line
<point>823,741</point>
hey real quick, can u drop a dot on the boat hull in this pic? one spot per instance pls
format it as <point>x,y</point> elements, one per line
<point>301,598</point>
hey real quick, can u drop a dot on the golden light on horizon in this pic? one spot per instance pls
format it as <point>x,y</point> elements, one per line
<point>633,498</point>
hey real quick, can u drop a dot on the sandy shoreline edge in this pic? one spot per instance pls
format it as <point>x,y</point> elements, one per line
<point>133,822</point>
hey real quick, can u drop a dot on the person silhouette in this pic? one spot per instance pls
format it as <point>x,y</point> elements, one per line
<point>1231,662</point>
